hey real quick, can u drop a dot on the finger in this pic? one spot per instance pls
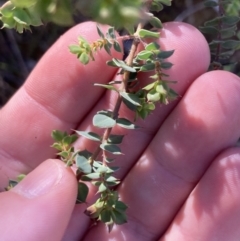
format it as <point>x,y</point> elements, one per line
<point>40,206</point>
<point>192,135</point>
<point>57,95</point>
<point>188,43</point>
<point>212,211</point>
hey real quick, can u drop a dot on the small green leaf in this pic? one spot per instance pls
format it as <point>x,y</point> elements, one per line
<point>105,216</point>
<point>70,139</point>
<point>143,33</point>
<point>144,55</point>
<point>152,46</point>
<point>149,86</point>
<point>75,49</point>
<point>230,20</point>
<point>85,179</point>
<point>109,160</point>
<point>20,177</point>
<point>126,123</point>
<point>156,7</point>
<point>102,169</point>
<point>84,43</point>
<point>209,30</point>
<point>133,98</point>
<point>94,175</point>
<point>115,139</point>
<point>82,192</point>
<point>129,105</point>
<point>153,96</point>
<point>96,183</point>
<point>112,179</point>
<point>228,32</point>
<point>166,65</point>
<point>117,47</point>
<point>58,135</point>
<point>147,67</point>
<point>83,164</point>
<point>105,112</point>
<point>161,90</point>
<point>102,188</point>
<point>226,54</point>
<point>213,22</point>
<point>89,135</point>
<point>100,33</point>
<point>155,22</point>
<point>109,86</point>
<point>11,184</point>
<point>103,121</point>
<point>57,146</point>
<point>113,169</point>
<point>84,58</point>
<point>120,206</point>
<point>121,64</point>
<point>114,149</point>
<point>211,3</point>
<point>165,54</point>
<point>118,217</point>
<point>231,44</point>
<point>107,47</point>
<point>63,154</point>
<point>111,33</point>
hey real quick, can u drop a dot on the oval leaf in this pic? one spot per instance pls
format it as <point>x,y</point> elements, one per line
<point>134,99</point>
<point>115,139</point>
<point>165,54</point>
<point>103,121</point>
<point>143,33</point>
<point>114,149</point>
<point>126,123</point>
<point>109,86</point>
<point>82,192</point>
<point>155,22</point>
<point>121,64</point>
<point>89,135</point>
<point>83,164</point>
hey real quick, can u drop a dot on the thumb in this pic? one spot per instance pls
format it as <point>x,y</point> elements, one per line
<point>40,206</point>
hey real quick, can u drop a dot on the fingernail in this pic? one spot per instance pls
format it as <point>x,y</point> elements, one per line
<point>41,180</point>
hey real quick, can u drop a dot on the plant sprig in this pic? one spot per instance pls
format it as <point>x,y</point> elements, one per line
<point>94,166</point>
<point>223,28</point>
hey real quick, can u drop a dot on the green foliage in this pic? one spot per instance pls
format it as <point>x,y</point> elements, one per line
<point>82,192</point>
<point>18,17</point>
<point>118,13</point>
<point>21,14</point>
<point>108,208</point>
<point>63,143</point>
<point>222,29</point>
<point>85,51</point>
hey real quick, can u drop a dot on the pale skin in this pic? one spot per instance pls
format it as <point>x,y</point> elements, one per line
<point>180,172</point>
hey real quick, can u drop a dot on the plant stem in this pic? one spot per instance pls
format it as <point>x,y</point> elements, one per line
<point>126,74</point>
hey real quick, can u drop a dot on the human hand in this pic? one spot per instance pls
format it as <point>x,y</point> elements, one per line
<point>180,173</point>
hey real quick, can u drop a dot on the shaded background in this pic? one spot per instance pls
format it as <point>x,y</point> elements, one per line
<point>19,53</point>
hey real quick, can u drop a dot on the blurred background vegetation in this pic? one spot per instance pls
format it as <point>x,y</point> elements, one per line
<point>19,53</point>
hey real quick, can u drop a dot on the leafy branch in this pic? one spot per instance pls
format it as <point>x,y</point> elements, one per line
<point>96,167</point>
<point>223,28</point>
<point>108,208</point>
